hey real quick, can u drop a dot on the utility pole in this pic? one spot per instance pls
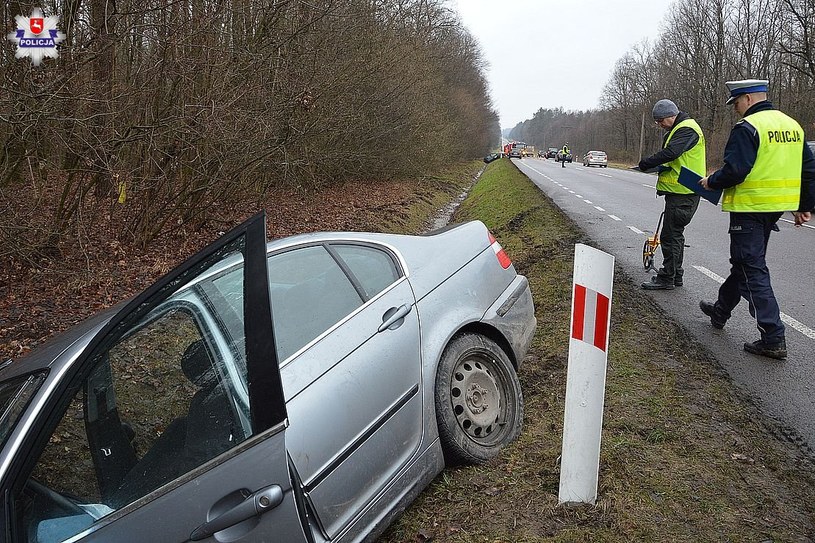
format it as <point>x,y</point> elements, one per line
<point>567,129</point>
<point>642,132</point>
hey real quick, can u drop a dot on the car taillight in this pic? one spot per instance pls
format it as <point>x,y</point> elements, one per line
<point>503,259</point>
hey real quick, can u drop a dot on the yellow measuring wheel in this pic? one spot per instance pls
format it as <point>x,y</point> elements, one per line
<point>651,246</point>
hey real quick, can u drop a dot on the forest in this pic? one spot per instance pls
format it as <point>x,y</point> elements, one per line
<point>701,44</point>
<point>156,112</point>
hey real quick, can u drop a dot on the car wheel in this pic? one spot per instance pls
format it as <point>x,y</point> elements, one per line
<point>479,404</point>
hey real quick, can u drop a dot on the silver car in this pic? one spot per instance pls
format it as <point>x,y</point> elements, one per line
<point>304,390</point>
<point>595,158</point>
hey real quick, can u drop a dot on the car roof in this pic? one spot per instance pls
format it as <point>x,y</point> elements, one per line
<point>72,340</point>
<point>63,347</point>
<point>77,336</point>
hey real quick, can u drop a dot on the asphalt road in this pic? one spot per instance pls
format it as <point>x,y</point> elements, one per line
<point>619,209</point>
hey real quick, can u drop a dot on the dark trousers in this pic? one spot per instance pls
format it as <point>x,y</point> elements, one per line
<point>679,210</point>
<point>749,277</point>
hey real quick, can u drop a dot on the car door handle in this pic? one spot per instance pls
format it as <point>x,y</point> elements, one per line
<point>394,317</point>
<point>256,504</point>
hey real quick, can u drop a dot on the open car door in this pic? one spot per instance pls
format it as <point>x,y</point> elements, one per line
<point>170,425</point>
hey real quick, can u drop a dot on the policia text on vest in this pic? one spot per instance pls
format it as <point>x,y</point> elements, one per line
<point>787,136</point>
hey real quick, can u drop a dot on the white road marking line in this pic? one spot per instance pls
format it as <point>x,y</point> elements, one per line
<point>578,195</point>
<point>718,278</point>
<point>598,208</point>
<point>589,202</point>
<point>605,175</point>
<point>786,319</point>
<point>615,217</point>
<point>804,225</point>
<point>536,171</point>
<point>649,186</point>
<point>570,191</point>
<point>542,174</point>
<point>636,230</point>
<point>792,323</point>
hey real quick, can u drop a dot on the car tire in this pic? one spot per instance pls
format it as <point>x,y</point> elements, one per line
<point>474,373</point>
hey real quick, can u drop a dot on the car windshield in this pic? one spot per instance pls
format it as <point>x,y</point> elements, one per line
<point>14,397</point>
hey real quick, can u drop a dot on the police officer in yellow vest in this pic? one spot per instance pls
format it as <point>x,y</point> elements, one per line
<point>683,145</point>
<point>767,170</point>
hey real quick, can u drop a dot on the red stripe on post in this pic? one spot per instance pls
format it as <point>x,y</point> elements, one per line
<point>601,322</point>
<point>578,311</point>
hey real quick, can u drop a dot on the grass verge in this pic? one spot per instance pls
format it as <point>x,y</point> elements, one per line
<point>684,457</point>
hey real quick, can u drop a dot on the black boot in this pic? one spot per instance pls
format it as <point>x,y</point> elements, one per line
<point>776,350</point>
<point>659,282</point>
<point>709,309</point>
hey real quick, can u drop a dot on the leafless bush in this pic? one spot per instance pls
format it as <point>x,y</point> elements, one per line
<point>157,112</point>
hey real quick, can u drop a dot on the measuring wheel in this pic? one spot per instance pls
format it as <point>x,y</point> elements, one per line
<point>648,250</point>
<point>650,247</point>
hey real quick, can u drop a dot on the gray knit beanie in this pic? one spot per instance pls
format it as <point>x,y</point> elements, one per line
<point>665,108</point>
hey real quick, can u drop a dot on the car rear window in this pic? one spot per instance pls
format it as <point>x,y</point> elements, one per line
<point>373,268</point>
<point>14,397</point>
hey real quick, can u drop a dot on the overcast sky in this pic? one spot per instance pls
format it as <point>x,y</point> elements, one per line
<point>539,59</point>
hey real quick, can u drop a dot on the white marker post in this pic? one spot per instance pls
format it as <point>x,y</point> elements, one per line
<point>586,375</point>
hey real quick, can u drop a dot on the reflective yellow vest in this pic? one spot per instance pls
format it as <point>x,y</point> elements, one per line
<point>774,183</point>
<point>693,159</point>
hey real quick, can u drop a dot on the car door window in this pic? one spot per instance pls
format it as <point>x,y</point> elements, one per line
<point>374,268</point>
<point>310,294</point>
<point>14,396</point>
<point>167,395</point>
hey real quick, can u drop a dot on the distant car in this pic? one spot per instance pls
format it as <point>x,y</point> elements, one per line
<point>595,158</point>
<point>297,391</point>
<point>516,152</point>
<point>560,157</point>
<point>551,153</point>
<point>492,156</point>
<point>541,154</point>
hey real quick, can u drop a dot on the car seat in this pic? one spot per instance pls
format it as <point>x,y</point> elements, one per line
<point>189,441</point>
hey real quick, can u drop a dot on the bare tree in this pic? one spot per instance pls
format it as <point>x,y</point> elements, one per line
<point>158,113</point>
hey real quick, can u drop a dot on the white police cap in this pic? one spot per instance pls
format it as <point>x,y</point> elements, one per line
<point>745,86</point>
